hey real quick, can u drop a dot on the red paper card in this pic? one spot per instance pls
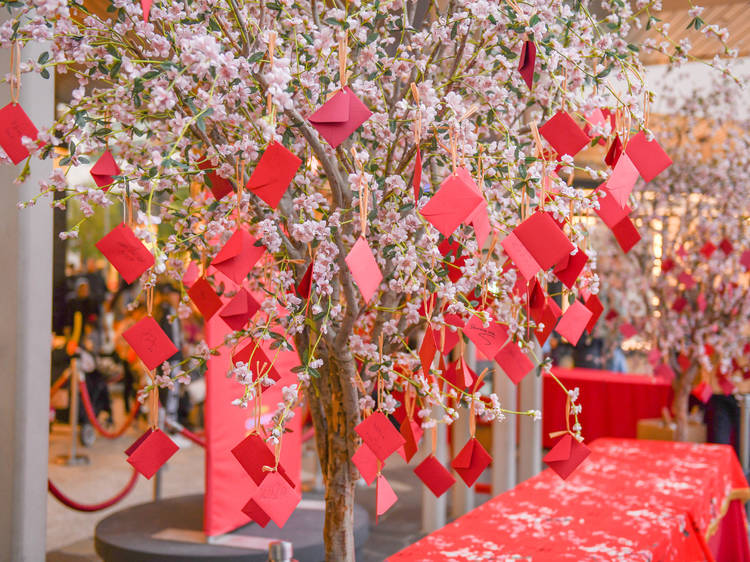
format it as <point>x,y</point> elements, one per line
<point>149,342</point>
<point>253,453</point>
<point>527,62</point>
<point>276,498</point>
<point>125,252</point>
<point>454,203</point>
<point>679,304</point>
<point>726,246</point>
<point>412,432</point>
<point>14,125</point>
<point>305,284</point>
<point>427,350</point>
<point>745,260</point>
<point>480,222</point>
<point>385,497</point>
<point>570,267</point>
<point>364,268</point>
<point>610,211</point>
<point>686,279</point>
<point>614,152</point>
<point>367,463</point>
<point>240,310</point>
<point>254,512</point>
<point>220,187</point>
<point>564,134</point>
<point>380,435</point>
<point>488,340</point>
<point>253,356</point>
<point>104,170</point>
<point>451,250</point>
<point>665,372</point>
<point>574,320</point>
<point>527,266</point>
<point>129,451</point>
<point>622,180</point>
<point>205,298</point>
<point>549,318</point>
<point>647,156</point>
<point>471,461</point>
<point>238,256</point>
<point>626,234</point>
<point>273,174</point>
<point>151,452</point>
<point>628,330</point>
<point>707,250</point>
<point>514,362</point>
<point>544,240</point>
<point>434,475</point>
<point>146,7</point>
<point>566,455</point>
<point>191,275</point>
<point>595,306</point>
<point>416,181</point>
<point>703,392</point>
<point>340,116</point>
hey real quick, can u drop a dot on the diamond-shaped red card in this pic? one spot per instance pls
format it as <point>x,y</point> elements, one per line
<point>614,152</point>
<point>566,455</point>
<point>573,322</point>
<point>471,461</point>
<point>252,354</point>
<point>622,180</point>
<point>129,451</point>
<point>707,250</point>
<point>253,453</point>
<point>610,211</point>
<point>340,116</point>
<point>544,239</point>
<point>570,267</point>
<point>219,186</point>
<point>149,342</point>
<point>240,310</point>
<point>453,260</point>
<point>204,298</point>
<point>275,498</point>
<point>238,256</point>
<point>726,246</point>
<point>412,432</point>
<point>435,476</point>
<point>385,497</point>
<point>380,435</point>
<point>364,268</point>
<point>304,286</point>
<point>254,512</point>
<point>647,156</point>
<point>626,234</point>
<point>549,318</point>
<point>488,340</point>
<point>564,134</point>
<point>14,125</point>
<point>595,306</point>
<point>455,201</point>
<point>527,62</point>
<point>367,463</point>
<point>273,174</point>
<point>125,252</point>
<point>104,170</point>
<point>151,452</point>
<point>514,362</point>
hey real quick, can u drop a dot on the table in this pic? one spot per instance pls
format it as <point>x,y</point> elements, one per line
<point>654,501</point>
<point>612,402</point>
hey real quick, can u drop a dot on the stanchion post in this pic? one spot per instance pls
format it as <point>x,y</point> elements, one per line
<point>73,458</point>
<point>157,476</point>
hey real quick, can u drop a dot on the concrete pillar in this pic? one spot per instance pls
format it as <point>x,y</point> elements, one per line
<point>25,308</point>
<point>504,436</point>
<point>530,443</point>
<point>462,497</point>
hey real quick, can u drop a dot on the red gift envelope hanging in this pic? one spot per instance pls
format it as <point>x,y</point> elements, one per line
<point>487,340</point>
<point>726,246</point>
<point>564,134</point>
<point>514,362</point>
<point>525,263</point>
<point>628,330</point>
<point>151,451</point>
<point>380,435</point>
<point>364,268</point>
<point>566,456</point>
<point>435,476</point>
<point>253,356</point>
<point>745,260</point>
<point>453,204</point>
<point>204,298</point>
<point>595,306</point>
<point>273,174</point>
<point>146,7</point>
<point>614,152</point>
<point>219,186</point>
<point>453,261</point>
<point>367,463</point>
<point>707,250</point>
<point>238,256</point>
<point>274,500</point>
<point>460,375</point>
<point>647,156</point>
<point>192,274</point>
<point>543,239</point>
<point>667,265</point>
<point>573,322</point>
<point>549,318</point>
<point>129,451</point>
<point>240,310</point>
<point>304,286</point>
<point>340,116</point>
<point>253,453</point>
<point>104,171</point>
<point>610,211</point>
<point>149,342</point>
<point>14,125</point>
<point>125,252</point>
<point>412,432</point>
<point>686,279</point>
<point>385,497</point>
<point>416,181</point>
<point>679,304</point>
<point>570,267</point>
<point>471,461</point>
<point>622,180</point>
<point>480,222</point>
<point>443,340</point>
<point>527,62</point>
<point>626,234</point>
<point>703,392</point>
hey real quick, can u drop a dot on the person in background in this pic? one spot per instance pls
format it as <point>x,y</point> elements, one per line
<point>97,286</point>
<point>722,414</point>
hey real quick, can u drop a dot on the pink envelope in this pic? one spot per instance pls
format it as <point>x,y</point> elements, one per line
<point>205,298</point>
<point>340,116</point>
<point>647,156</point>
<point>364,268</point>
<point>471,461</point>
<point>385,497</point>
<point>570,267</point>
<point>238,256</point>
<point>564,134</point>
<point>434,475</point>
<point>626,234</point>
<point>104,170</point>
<point>151,451</point>
<point>514,362</point>
<point>487,340</point>
<point>125,252</point>
<point>622,180</point>
<point>367,463</point>
<point>14,125</point>
<point>453,204</point>
<point>566,456</point>
<point>527,62</point>
<point>574,320</point>
<point>610,211</point>
<point>543,239</point>
<point>240,310</point>
<point>381,436</point>
<point>273,174</point>
<point>149,342</point>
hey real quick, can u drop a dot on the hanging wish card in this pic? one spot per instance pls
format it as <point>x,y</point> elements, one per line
<point>566,456</point>
<point>204,298</point>
<point>434,475</point>
<point>380,436</point>
<point>364,269</point>
<point>273,174</point>
<point>240,310</point>
<point>238,256</point>
<point>647,156</point>
<point>125,252</point>
<point>104,171</point>
<point>367,463</point>
<point>564,134</point>
<point>151,451</point>
<point>149,342</point>
<point>14,126</point>
<point>573,322</point>
<point>471,461</point>
<point>274,500</point>
<point>527,62</point>
<point>340,116</point>
<point>514,362</point>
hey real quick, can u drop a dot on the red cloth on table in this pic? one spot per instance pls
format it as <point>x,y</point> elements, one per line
<point>612,402</point>
<point>631,500</point>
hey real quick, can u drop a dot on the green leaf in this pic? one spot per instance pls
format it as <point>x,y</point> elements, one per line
<point>44,57</point>
<point>44,73</point>
<point>571,298</point>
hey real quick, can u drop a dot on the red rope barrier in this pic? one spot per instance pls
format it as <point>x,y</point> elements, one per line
<point>86,399</point>
<point>182,430</point>
<point>66,501</point>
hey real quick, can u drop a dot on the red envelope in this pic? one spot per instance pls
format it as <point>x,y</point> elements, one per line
<point>622,180</point>
<point>427,350</point>
<point>703,392</point>
<point>385,497</point>
<point>275,498</point>
<point>452,249</point>
<point>566,455</point>
<point>364,268</point>
<point>367,463</point>
<point>514,362</point>
<point>570,267</point>
<point>273,174</point>
<point>205,298</point>
<point>626,234</point>
<point>219,186</point>
<point>416,181</point>
<point>610,211</point>
<point>412,432</point>
<point>628,330</point>
<point>460,375</point>
<point>573,322</point>
<point>648,157</point>
<point>125,252</point>
<point>702,304</point>
<point>380,435</point>
<point>305,284</point>
<point>191,275</point>
<point>149,342</point>
<point>471,461</point>
<point>527,62</point>
<point>340,116</point>
<point>686,279</point>
<point>240,310</point>
<point>543,239</point>
<point>527,266</point>
<point>151,451</point>
<point>454,203</point>
<point>434,475</point>
<point>745,260</point>
<point>129,451</point>
<point>104,169</point>
<point>487,340</point>
<point>253,453</point>
<point>238,256</point>
<point>15,124</point>
<point>252,354</point>
<point>146,7</point>
<point>679,304</point>
<point>707,250</point>
<point>667,265</point>
<point>665,372</point>
<point>254,512</point>
<point>564,134</point>
<point>549,318</point>
<point>684,361</point>
<point>726,246</point>
<point>595,306</point>
<point>614,152</point>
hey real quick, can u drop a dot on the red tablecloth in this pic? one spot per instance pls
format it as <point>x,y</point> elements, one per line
<point>612,402</point>
<point>631,500</point>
